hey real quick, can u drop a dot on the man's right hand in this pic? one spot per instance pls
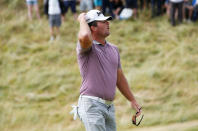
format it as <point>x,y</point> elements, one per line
<point>81,16</point>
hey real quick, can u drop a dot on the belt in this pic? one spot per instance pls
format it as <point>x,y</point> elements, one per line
<point>107,102</point>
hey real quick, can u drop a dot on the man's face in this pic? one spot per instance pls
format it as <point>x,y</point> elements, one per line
<point>103,28</point>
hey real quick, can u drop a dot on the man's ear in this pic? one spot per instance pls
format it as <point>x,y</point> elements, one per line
<point>93,28</point>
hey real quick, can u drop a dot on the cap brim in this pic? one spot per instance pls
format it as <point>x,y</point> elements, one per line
<point>109,18</point>
<point>104,18</point>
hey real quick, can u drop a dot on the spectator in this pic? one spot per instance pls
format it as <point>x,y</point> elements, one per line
<point>86,5</point>
<point>30,5</point>
<point>147,3</point>
<point>98,4</point>
<point>167,7</point>
<point>188,8</point>
<point>156,7</point>
<point>133,5</point>
<point>117,8</point>
<point>195,7</point>
<point>54,9</point>
<point>176,4</point>
<point>72,5</point>
<point>107,4</point>
<point>143,4</point>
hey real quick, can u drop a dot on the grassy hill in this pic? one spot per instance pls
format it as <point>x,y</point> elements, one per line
<point>39,81</point>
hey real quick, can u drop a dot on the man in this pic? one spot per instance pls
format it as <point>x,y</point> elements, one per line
<point>176,4</point>
<point>55,10</point>
<point>100,68</point>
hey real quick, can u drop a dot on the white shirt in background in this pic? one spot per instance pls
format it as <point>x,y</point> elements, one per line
<point>31,0</point>
<point>176,1</point>
<point>54,7</point>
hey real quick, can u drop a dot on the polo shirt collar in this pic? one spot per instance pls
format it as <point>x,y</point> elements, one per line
<point>98,43</point>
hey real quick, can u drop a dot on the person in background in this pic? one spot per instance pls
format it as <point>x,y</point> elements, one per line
<point>98,4</point>
<point>86,5</point>
<point>72,5</point>
<point>167,7</point>
<point>117,8</point>
<point>54,9</point>
<point>30,5</point>
<point>133,5</point>
<point>195,8</point>
<point>156,7</point>
<point>107,4</point>
<point>143,4</point>
<point>176,4</point>
<point>188,10</point>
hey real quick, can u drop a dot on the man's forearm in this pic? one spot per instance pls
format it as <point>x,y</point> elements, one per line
<point>123,86</point>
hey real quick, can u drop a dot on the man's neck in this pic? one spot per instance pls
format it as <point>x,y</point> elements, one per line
<point>101,41</point>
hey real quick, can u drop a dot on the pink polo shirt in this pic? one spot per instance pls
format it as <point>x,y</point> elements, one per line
<point>98,67</point>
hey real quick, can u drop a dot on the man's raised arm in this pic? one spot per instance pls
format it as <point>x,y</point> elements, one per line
<point>84,35</point>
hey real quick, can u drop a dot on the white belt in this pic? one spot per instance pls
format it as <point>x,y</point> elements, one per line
<point>98,99</point>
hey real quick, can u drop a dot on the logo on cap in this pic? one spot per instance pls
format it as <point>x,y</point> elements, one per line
<point>99,13</point>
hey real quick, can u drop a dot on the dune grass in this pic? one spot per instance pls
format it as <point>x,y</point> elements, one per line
<point>39,80</point>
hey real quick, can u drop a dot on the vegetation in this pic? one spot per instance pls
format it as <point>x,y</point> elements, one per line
<point>39,80</point>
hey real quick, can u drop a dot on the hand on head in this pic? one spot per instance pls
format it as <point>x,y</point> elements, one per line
<point>81,16</point>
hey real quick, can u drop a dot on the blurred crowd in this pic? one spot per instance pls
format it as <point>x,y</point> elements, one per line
<point>178,11</point>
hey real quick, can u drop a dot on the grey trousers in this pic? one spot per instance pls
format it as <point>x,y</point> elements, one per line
<point>96,116</point>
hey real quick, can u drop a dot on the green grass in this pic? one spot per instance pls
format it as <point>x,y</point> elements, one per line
<point>40,80</point>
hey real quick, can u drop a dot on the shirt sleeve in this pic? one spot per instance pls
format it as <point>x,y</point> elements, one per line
<point>80,50</point>
<point>119,63</point>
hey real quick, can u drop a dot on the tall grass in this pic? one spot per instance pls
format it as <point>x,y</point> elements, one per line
<point>39,80</point>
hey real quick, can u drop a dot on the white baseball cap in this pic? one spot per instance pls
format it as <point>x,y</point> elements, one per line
<point>96,15</point>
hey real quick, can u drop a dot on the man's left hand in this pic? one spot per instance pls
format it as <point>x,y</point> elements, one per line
<point>137,107</point>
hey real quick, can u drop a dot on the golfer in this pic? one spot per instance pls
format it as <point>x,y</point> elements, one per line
<point>100,68</point>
